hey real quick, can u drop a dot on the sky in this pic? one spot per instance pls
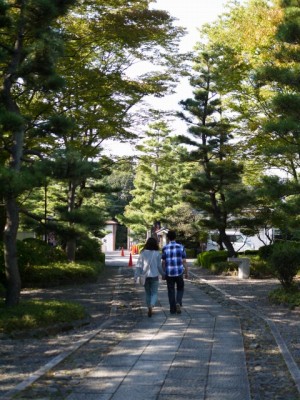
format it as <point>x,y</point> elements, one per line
<point>190,14</point>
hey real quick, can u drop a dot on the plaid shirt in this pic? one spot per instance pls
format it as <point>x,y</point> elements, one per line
<point>173,254</point>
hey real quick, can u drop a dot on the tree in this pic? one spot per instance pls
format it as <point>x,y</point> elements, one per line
<point>121,182</point>
<point>41,116</point>
<point>103,40</point>
<point>245,36</point>
<point>215,189</point>
<point>280,130</point>
<point>158,182</point>
<point>280,79</point>
<point>30,44</point>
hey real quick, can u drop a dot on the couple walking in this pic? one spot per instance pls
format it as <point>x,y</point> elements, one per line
<point>171,265</point>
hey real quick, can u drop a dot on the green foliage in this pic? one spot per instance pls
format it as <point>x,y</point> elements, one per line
<point>158,182</point>
<point>215,188</point>
<point>30,315</point>
<point>45,73</point>
<point>207,258</point>
<point>286,296</point>
<point>58,274</point>
<point>285,260</point>
<point>89,249</point>
<point>190,253</point>
<point>251,252</point>
<point>260,268</point>
<point>33,251</point>
<point>121,182</point>
<point>42,265</point>
<point>265,252</point>
<point>223,267</point>
<point>140,246</point>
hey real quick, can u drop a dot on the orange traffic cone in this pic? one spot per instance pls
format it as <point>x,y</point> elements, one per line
<point>130,264</point>
<point>122,252</point>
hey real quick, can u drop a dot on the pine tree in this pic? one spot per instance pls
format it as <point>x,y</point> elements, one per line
<point>158,182</point>
<point>282,129</point>
<point>30,45</point>
<point>215,190</point>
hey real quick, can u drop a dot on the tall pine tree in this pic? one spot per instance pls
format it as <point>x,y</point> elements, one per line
<point>158,182</point>
<point>215,190</point>
<point>30,44</point>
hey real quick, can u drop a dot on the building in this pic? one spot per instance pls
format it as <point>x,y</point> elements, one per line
<point>109,240</point>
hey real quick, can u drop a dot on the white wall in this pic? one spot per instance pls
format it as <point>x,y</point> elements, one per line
<point>109,240</point>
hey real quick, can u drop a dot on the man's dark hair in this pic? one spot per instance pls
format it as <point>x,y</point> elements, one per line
<point>151,244</point>
<point>171,235</point>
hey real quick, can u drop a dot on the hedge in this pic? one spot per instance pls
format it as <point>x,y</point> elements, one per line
<point>207,258</point>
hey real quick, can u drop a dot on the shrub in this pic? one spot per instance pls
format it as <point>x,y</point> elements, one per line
<point>36,314</point>
<point>260,268</point>
<point>285,260</point>
<point>207,258</point>
<point>58,274</point>
<point>223,267</point>
<point>251,252</point>
<point>190,253</point>
<point>289,297</point>
<point>33,251</point>
<point>265,252</point>
<point>89,249</point>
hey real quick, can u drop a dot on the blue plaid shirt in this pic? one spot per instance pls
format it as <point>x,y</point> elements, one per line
<point>173,254</point>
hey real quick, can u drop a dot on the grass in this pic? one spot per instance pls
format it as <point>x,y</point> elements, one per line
<point>57,274</point>
<point>288,297</point>
<point>36,314</point>
<point>33,314</point>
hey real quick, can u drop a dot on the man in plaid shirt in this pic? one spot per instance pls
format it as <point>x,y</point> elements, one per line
<point>174,264</point>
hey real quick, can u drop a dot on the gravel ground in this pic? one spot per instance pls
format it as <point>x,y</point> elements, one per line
<point>268,374</point>
<point>25,354</point>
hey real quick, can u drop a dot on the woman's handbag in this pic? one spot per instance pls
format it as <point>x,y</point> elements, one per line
<point>142,279</point>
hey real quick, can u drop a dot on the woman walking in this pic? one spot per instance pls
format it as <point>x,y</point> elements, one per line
<point>149,265</point>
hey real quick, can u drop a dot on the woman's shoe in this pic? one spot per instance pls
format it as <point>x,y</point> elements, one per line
<point>149,311</point>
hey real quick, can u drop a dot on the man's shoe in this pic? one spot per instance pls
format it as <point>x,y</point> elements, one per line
<point>149,312</point>
<point>178,309</point>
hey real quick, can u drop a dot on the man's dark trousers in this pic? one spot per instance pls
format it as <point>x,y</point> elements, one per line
<point>175,297</point>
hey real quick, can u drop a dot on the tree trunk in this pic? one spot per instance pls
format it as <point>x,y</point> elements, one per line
<point>225,239</point>
<point>10,253</point>
<point>71,242</point>
<point>71,249</point>
<point>16,152</point>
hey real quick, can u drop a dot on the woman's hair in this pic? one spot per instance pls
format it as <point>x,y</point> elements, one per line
<point>151,244</point>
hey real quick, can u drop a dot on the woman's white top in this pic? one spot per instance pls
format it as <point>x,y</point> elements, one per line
<point>146,258</point>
